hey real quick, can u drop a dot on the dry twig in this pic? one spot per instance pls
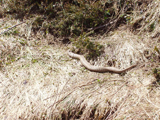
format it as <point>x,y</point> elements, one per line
<point>11,28</point>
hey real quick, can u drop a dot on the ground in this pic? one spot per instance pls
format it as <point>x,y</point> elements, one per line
<point>43,82</point>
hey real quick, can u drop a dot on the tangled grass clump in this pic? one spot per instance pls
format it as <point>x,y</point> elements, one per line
<point>147,18</point>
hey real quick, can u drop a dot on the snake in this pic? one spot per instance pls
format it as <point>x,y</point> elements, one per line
<point>99,69</point>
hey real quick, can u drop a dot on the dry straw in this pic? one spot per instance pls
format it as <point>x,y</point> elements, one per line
<point>44,83</point>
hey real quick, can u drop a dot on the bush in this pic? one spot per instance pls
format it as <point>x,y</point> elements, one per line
<point>85,46</point>
<point>65,18</point>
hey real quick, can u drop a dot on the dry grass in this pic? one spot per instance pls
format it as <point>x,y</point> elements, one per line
<point>42,82</point>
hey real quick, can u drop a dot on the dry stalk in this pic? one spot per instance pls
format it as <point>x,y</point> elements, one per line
<point>11,28</point>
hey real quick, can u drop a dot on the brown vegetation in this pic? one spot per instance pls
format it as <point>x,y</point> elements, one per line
<point>40,81</point>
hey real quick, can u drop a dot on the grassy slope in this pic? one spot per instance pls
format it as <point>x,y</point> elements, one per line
<point>43,82</point>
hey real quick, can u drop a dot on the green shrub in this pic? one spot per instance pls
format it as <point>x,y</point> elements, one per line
<point>64,17</point>
<point>69,17</point>
<point>85,46</point>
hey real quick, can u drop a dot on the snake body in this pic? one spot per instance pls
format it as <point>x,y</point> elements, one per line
<point>90,67</point>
